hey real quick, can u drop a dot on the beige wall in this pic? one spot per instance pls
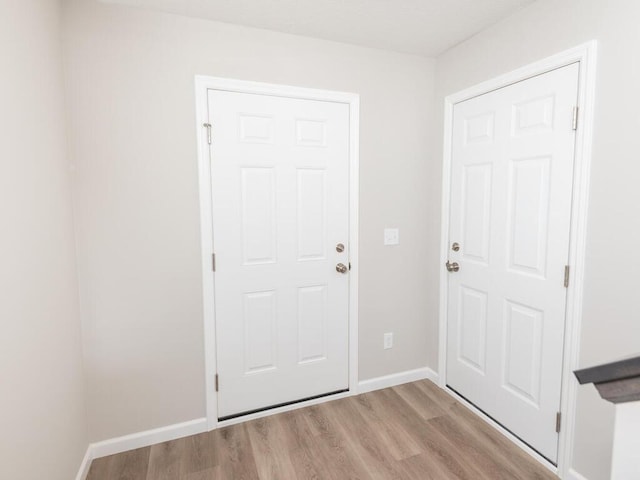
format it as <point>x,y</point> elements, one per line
<point>130,85</point>
<point>610,326</point>
<point>42,413</point>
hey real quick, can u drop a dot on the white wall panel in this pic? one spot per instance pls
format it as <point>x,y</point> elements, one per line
<point>42,380</point>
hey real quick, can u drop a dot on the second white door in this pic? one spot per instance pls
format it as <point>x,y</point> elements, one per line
<point>511,190</point>
<point>280,183</point>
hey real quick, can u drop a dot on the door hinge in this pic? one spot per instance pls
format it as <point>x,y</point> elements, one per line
<point>213,262</point>
<point>567,272</point>
<point>574,122</point>
<point>217,384</point>
<point>558,422</point>
<point>208,127</point>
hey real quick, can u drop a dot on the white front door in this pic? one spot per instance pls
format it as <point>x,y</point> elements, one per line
<point>280,183</point>
<point>511,190</point>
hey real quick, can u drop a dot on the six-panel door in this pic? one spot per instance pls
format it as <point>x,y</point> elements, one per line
<point>511,189</point>
<point>280,176</point>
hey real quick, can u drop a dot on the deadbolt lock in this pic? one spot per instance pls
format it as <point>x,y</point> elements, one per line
<point>455,247</point>
<point>340,248</point>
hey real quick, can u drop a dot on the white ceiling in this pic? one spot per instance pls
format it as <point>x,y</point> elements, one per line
<point>424,27</point>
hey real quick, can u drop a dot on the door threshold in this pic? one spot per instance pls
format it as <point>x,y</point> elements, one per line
<point>280,405</point>
<point>500,424</point>
<point>516,440</point>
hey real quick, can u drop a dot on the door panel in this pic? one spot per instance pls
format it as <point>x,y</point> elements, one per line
<point>523,349</point>
<point>473,328</point>
<point>512,172</point>
<point>528,215</point>
<point>312,323</point>
<point>312,214</point>
<point>258,197</point>
<point>476,217</point>
<point>280,176</point>
<point>260,331</point>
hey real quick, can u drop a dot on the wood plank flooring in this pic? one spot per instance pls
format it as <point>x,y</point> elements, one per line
<point>413,431</point>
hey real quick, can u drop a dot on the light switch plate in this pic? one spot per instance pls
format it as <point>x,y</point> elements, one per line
<point>391,236</point>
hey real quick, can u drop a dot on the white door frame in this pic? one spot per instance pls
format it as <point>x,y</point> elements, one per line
<point>586,55</point>
<point>202,85</point>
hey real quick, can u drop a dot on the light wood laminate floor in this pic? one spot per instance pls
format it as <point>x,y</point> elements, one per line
<point>413,431</point>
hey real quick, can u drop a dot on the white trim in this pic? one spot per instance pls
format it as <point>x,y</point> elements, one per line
<point>147,438</point>
<point>394,379</point>
<point>272,89</point>
<point>573,475</point>
<point>83,471</point>
<point>206,245</point>
<point>202,85</point>
<point>586,55</point>
<point>354,238</point>
<point>577,253</point>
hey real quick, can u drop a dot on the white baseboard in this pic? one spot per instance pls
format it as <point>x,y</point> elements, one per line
<point>193,427</point>
<point>397,379</point>
<point>138,440</point>
<point>573,475</point>
<point>148,437</point>
<point>83,471</point>
<point>433,376</point>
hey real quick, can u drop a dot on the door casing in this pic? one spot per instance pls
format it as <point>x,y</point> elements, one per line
<point>202,85</point>
<point>585,54</point>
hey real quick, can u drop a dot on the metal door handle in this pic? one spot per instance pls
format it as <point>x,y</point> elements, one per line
<point>452,267</point>
<point>342,268</point>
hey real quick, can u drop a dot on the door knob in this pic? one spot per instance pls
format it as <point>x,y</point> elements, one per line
<point>342,268</point>
<point>452,267</point>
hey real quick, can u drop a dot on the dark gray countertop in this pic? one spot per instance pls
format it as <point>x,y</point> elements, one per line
<point>619,370</point>
<point>617,382</point>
